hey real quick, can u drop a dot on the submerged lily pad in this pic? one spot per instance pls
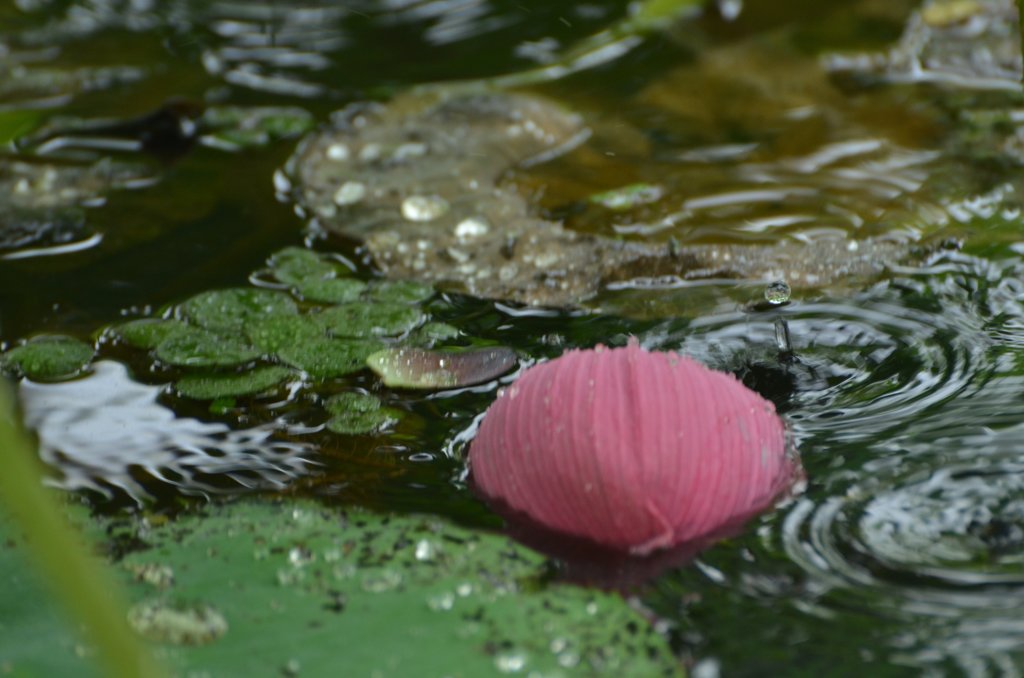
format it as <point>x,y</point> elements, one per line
<point>401,291</point>
<point>147,333</point>
<point>362,319</point>
<point>410,596</point>
<point>420,368</point>
<point>212,386</point>
<point>194,347</point>
<point>359,413</point>
<point>327,358</point>
<point>231,309</point>
<point>48,358</point>
<point>331,290</point>
<point>296,265</point>
<point>275,332</point>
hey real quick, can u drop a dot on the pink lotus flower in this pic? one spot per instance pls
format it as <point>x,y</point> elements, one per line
<point>630,449</point>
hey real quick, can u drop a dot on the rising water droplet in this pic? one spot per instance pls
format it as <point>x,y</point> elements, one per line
<point>777,293</point>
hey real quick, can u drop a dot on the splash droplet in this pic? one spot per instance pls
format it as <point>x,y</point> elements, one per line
<point>777,293</point>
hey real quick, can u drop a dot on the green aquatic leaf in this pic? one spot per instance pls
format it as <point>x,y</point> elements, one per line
<point>213,386</point>
<point>348,403</point>
<point>276,122</point>
<point>628,197</point>
<point>364,423</point>
<point>194,347</point>
<point>363,319</point>
<point>359,414</point>
<point>16,123</point>
<point>408,367</point>
<point>296,265</point>
<point>328,358</point>
<point>431,333</point>
<point>400,291</point>
<point>408,596</point>
<point>147,333</point>
<point>274,332</point>
<point>229,310</point>
<point>331,290</point>
<point>48,358</point>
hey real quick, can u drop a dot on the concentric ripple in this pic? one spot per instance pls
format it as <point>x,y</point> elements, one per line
<point>907,402</point>
<point>862,368</point>
<point>942,548</point>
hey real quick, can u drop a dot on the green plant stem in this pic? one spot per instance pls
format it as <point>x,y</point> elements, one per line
<point>79,582</point>
<point>1020,26</point>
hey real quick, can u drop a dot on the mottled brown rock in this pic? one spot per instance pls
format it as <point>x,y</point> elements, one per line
<point>421,183</point>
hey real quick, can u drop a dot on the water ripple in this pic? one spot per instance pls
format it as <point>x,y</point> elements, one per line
<point>108,432</point>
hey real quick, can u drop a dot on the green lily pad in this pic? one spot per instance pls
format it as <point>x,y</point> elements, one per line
<point>431,333</point>
<point>401,291</point>
<point>364,423</point>
<point>230,309</point>
<point>419,368</point>
<point>628,197</point>
<point>347,403</point>
<point>363,319</point>
<point>194,347</point>
<point>409,596</point>
<point>279,121</point>
<point>359,414</point>
<point>274,332</point>
<point>48,358</point>
<point>212,386</point>
<point>328,358</point>
<point>296,265</point>
<point>331,290</point>
<point>147,333</point>
<point>244,127</point>
<point>175,622</point>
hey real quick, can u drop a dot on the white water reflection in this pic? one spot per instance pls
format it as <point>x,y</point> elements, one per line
<point>108,432</point>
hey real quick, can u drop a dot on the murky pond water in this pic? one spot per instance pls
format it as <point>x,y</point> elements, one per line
<point>799,140</point>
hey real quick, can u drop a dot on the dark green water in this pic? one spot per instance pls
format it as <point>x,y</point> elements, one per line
<point>903,555</point>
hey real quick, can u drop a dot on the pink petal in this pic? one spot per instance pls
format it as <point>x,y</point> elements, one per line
<point>630,449</point>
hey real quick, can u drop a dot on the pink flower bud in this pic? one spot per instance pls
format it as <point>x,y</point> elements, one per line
<point>630,449</point>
